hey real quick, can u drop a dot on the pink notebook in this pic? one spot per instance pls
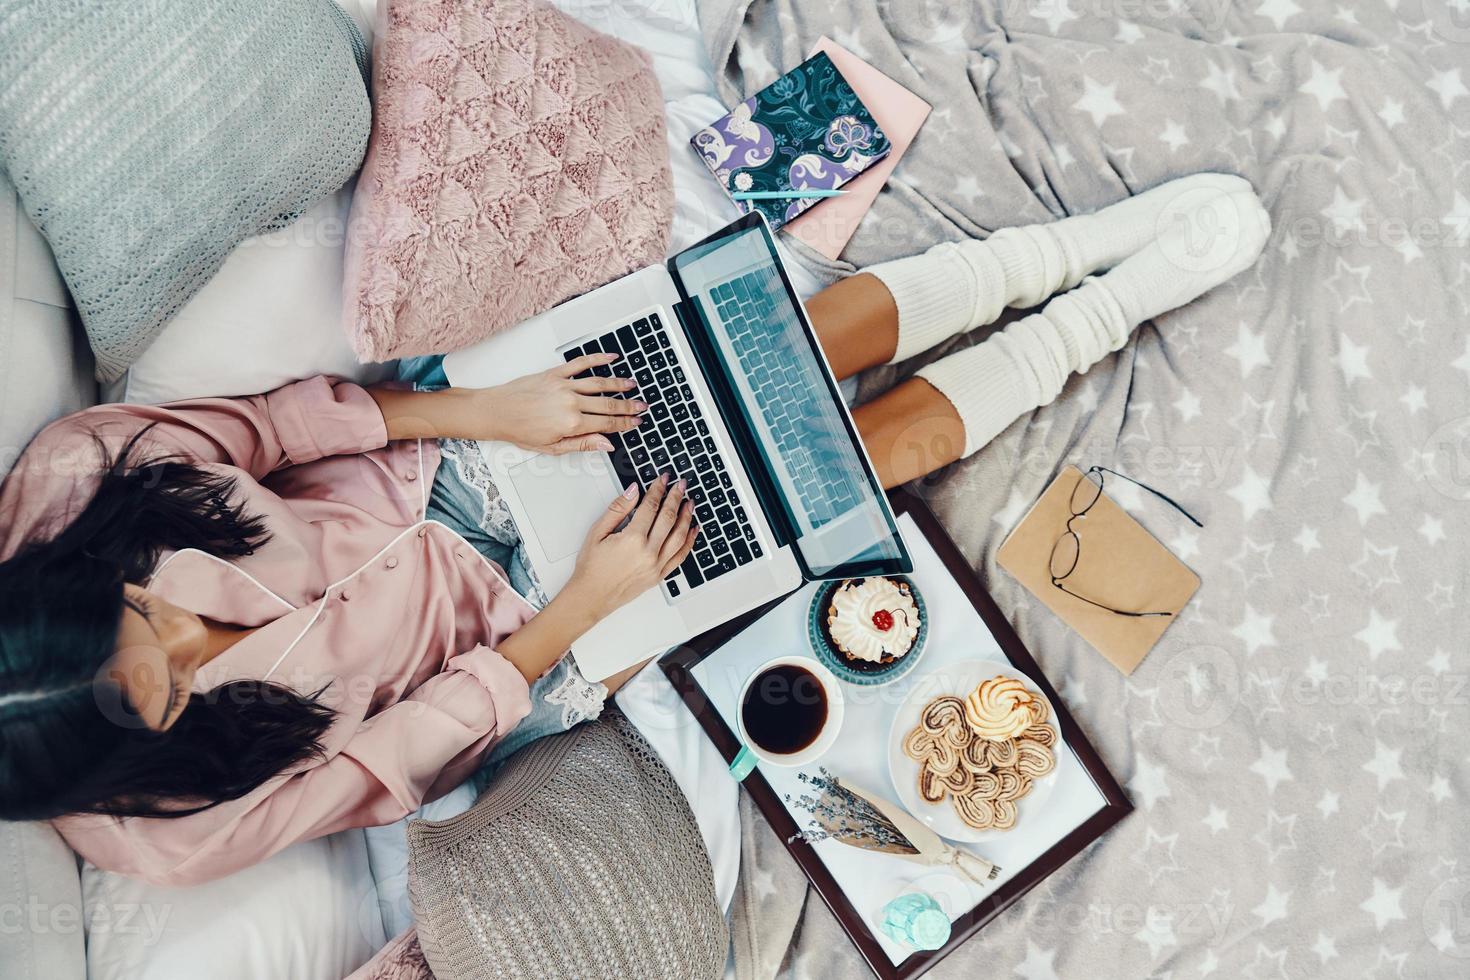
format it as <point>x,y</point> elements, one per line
<point>828,227</point>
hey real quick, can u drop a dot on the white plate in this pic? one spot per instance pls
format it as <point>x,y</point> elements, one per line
<point>959,680</point>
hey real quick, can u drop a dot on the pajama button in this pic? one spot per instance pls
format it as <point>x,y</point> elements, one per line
<point>411,475</point>
<point>391,563</point>
<point>423,532</point>
<point>346,595</point>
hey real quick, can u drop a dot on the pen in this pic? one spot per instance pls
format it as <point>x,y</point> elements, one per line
<point>783,195</point>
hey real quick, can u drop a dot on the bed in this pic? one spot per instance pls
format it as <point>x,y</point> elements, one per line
<point>1294,746</point>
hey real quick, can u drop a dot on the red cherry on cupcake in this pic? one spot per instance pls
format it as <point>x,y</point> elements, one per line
<point>883,620</point>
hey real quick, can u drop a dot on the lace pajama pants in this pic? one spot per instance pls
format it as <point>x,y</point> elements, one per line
<point>465,498</point>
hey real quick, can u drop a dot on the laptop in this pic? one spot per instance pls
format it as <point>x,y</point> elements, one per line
<point>742,404</point>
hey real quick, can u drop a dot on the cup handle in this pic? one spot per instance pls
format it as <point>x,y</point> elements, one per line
<point>743,764</point>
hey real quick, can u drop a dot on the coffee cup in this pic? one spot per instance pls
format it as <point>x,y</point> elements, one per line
<point>790,711</point>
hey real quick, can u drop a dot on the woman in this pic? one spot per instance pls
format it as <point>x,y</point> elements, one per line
<point>228,625</point>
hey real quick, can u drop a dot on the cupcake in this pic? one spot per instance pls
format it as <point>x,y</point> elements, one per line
<point>873,620</point>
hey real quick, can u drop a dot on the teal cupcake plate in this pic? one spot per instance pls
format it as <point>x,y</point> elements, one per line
<point>861,672</point>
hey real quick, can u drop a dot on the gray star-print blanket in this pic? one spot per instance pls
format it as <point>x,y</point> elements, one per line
<point>1296,745</point>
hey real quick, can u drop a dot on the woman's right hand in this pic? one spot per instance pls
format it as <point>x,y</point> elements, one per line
<point>616,566</point>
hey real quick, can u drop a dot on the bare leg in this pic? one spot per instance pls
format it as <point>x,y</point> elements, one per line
<point>857,322</point>
<point>909,431</point>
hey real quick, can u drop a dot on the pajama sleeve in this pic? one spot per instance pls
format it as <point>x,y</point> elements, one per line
<point>299,423</point>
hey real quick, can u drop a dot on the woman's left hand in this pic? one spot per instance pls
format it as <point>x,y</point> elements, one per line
<point>556,412</point>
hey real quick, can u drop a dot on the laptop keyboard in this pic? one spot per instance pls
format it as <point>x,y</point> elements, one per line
<point>784,384</point>
<point>675,438</point>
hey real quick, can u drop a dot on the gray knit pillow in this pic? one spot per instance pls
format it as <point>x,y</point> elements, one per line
<point>580,860</point>
<point>148,138</point>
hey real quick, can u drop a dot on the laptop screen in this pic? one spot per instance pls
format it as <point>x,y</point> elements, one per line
<point>802,435</point>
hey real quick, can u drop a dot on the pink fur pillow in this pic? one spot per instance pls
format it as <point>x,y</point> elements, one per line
<point>518,158</point>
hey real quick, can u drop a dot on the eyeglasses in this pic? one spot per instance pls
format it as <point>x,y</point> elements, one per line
<point>1068,550</point>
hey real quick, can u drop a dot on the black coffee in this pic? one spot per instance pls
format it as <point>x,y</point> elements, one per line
<point>785,709</point>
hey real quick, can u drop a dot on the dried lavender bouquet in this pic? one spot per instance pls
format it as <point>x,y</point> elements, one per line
<point>840,814</point>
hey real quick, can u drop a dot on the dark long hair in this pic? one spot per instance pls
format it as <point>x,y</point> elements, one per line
<point>69,743</point>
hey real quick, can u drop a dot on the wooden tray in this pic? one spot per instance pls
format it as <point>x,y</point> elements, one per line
<point>678,665</point>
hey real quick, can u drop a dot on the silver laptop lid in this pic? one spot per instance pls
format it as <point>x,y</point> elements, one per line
<point>782,404</point>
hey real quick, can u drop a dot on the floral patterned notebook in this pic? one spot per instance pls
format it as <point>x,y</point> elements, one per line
<point>807,130</point>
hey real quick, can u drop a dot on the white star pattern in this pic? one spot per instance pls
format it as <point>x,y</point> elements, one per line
<point>1253,492</point>
<point>1272,907</point>
<point>1415,399</point>
<point>1128,33</point>
<point>1098,101</point>
<point>1173,136</point>
<point>1328,804</point>
<point>1271,766</point>
<point>1345,213</point>
<point>1221,81</point>
<point>1448,85</point>
<point>1250,350</point>
<point>1366,499</point>
<point>1054,12</point>
<point>1380,636</point>
<point>1384,904</point>
<point>1149,783</point>
<point>1352,359</point>
<point>1325,85</point>
<point>1384,765</point>
<point>1255,630</point>
<point>1038,963</point>
<point>1278,11</point>
<point>1016,505</point>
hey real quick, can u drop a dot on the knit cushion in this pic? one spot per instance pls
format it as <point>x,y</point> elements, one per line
<point>518,158</point>
<point>148,138</point>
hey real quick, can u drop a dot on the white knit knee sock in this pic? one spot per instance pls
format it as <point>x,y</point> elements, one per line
<point>1025,365</point>
<point>957,286</point>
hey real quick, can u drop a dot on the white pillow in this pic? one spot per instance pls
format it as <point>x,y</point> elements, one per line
<point>45,363</point>
<point>308,913</point>
<point>270,316</point>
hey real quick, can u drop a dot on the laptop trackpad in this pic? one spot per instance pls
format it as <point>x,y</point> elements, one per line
<point>562,501</point>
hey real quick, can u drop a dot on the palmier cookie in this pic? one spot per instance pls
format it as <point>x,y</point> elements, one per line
<point>1001,707</point>
<point>986,786</point>
<point>1013,785</point>
<point>943,758</point>
<point>1041,734</point>
<point>1034,759</point>
<point>944,719</point>
<point>931,788</point>
<point>919,744</point>
<point>1005,814</point>
<point>976,755</point>
<point>1010,784</point>
<point>959,735</point>
<point>975,811</point>
<point>1003,753</point>
<point>958,782</point>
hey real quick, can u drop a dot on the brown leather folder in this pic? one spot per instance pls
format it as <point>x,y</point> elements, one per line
<point>1120,565</point>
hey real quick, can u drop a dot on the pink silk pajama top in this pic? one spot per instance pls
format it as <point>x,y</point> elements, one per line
<point>398,616</point>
